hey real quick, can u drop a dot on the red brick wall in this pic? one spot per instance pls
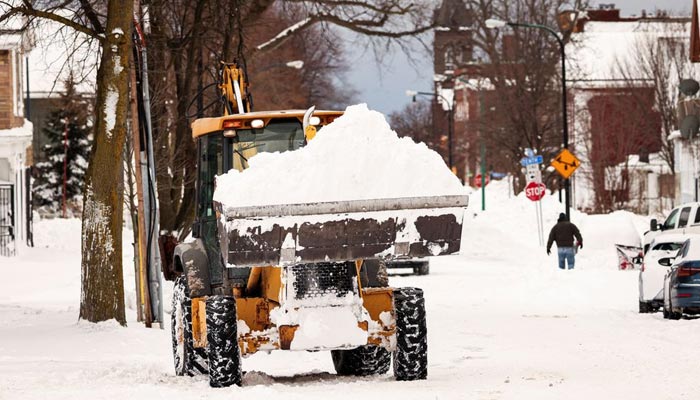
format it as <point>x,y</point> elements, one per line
<point>7,114</point>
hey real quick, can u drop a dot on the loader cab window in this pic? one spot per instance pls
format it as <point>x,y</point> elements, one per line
<point>210,164</point>
<point>279,135</point>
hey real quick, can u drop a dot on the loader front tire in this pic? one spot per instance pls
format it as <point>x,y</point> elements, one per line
<point>222,338</point>
<point>189,361</point>
<point>362,361</point>
<point>411,355</point>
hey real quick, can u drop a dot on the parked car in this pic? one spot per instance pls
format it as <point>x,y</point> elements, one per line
<point>655,265</point>
<point>419,266</point>
<point>682,282</point>
<point>682,219</point>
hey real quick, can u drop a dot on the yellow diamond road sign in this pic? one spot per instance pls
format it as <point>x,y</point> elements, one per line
<point>565,163</point>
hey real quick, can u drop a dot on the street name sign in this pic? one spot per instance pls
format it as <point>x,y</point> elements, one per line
<point>525,161</point>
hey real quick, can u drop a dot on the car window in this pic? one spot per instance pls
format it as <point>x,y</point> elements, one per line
<point>684,250</point>
<point>685,216</point>
<point>670,222</point>
<point>697,216</point>
<point>668,246</point>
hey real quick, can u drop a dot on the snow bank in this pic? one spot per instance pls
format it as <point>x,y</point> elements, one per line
<point>357,156</point>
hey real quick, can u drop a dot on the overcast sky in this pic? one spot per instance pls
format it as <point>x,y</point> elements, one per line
<point>383,87</point>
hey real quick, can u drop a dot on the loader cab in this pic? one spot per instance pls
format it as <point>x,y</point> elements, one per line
<point>230,142</point>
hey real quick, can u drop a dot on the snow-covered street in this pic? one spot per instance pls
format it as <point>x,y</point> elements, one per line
<point>504,323</point>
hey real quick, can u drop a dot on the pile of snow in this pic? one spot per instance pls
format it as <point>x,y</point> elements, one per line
<point>357,157</point>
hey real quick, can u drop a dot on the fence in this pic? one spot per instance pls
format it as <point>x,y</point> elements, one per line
<point>7,217</point>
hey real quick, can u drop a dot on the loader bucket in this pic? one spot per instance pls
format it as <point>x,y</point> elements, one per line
<point>403,228</point>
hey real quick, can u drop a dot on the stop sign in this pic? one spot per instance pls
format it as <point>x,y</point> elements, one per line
<point>535,191</point>
<point>477,180</point>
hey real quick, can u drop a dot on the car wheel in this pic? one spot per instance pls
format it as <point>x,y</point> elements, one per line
<point>644,307</point>
<point>422,268</point>
<point>675,315</point>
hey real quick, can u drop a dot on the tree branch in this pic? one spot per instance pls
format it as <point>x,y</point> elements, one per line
<point>92,16</point>
<point>28,11</point>
<point>359,26</point>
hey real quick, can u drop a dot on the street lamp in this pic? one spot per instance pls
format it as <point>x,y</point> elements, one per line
<point>450,120</point>
<point>295,64</point>
<point>494,24</point>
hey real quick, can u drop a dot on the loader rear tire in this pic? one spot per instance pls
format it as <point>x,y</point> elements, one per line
<point>362,361</point>
<point>222,338</point>
<point>411,355</point>
<point>422,268</point>
<point>188,360</point>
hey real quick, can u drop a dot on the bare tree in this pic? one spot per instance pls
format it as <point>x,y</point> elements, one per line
<point>102,294</point>
<point>188,39</point>
<point>416,121</point>
<point>523,109</point>
<point>636,113</point>
<point>659,63</point>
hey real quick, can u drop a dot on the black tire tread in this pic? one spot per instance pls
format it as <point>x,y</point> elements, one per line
<point>195,359</point>
<point>411,355</point>
<point>362,361</point>
<point>644,307</point>
<point>224,353</point>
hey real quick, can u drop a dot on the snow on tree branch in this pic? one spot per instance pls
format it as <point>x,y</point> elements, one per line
<point>280,37</point>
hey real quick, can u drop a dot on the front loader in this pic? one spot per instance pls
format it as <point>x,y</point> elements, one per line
<point>298,276</point>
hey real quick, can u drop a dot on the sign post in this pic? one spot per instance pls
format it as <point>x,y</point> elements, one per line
<point>535,189</point>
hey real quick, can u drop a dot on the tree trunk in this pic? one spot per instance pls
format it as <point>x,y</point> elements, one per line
<point>102,292</point>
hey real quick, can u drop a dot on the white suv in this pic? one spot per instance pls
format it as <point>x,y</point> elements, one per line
<point>682,219</point>
<point>657,261</point>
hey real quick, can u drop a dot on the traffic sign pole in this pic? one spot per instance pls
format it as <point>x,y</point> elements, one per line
<point>566,164</point>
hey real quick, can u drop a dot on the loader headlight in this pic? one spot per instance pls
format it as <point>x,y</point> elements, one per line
<point>257,123</point>
<point>314,121</point>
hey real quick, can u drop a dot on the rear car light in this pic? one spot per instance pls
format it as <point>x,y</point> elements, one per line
<point>683,295</point>
<point>685,271</point>
<point>642,267</point>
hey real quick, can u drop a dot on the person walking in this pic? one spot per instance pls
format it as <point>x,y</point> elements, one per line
<point>564,233</point>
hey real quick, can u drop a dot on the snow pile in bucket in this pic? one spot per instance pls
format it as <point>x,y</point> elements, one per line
<point>357,157</point>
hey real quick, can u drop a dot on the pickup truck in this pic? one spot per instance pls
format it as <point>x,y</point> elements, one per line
<point>682,219</point>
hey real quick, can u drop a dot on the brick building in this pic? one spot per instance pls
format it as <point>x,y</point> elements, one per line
<point>15,146</point>
<point>612,111</point>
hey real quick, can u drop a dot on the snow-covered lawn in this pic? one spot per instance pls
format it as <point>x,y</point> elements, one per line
<point>504,323</point>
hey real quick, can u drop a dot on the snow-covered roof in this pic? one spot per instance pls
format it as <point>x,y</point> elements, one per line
<point>15,141</point>
<point>656,164</point>
<point>10,41</point>
<point>597,53</point>
<point>674,135</point>
<point>18,132</point>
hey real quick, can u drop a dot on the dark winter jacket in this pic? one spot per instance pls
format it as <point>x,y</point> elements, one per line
<point>563,233</point>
